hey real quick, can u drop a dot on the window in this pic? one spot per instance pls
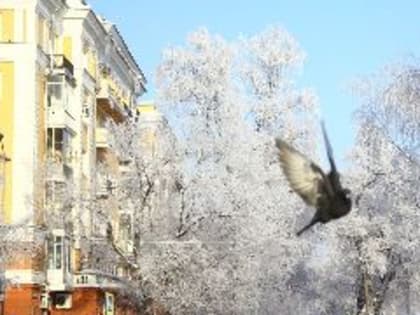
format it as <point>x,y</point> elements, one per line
<point>7,25</point>
<point>68,47</point>
<point>55,252</point>
<point>85,139</point>
<point>59,145</point>
<point>68,256</point>
<point>59,253</point>
<point>55,143</point>
<point>125,227</point>
<point>12,25</point>
<point>109,304</point>
<point>56,92</point>
<point>91,63</point>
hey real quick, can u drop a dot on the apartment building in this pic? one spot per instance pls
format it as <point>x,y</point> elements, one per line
<point>64,72</point>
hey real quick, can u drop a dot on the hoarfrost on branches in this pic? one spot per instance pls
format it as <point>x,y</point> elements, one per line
<point>231,246</point>
<point>225,101</point>
<point>382,232</point>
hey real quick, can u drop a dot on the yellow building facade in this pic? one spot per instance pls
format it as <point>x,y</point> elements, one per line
<point>64,71</point>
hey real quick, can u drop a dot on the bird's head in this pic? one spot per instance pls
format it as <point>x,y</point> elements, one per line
<point>347,192</point>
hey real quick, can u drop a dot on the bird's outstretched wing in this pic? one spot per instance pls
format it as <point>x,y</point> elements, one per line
<point>333,175</point>
<point>305,177</point>
<point>328,147</point>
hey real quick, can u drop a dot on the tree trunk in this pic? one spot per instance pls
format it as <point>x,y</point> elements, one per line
<point>371,289</point>
<point>365,295</point>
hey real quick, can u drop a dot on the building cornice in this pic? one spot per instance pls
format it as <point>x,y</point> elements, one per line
<point>50,7</point>
<point>124,51</point>
<point>93,24</point>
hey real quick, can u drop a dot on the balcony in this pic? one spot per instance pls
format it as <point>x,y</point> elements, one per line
<point>59,111</point>
<point>62,65</point>
<point>59,280</point>
<point>102,137</point>
<point>99,270</point>
<point>58,273</point>
<point>96,278</point>
<point>58,168</point>
<point>59,117</point>
<point>109,102</point>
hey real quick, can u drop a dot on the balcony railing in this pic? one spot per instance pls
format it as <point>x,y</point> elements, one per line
<point>106,91</point>
<point>96,278</point>
<point>59,166</point>
<point>58,116</point>
<point>110,102</point>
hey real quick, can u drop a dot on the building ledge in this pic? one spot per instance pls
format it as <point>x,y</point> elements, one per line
<point>98,279</point>
<point>24,276</point>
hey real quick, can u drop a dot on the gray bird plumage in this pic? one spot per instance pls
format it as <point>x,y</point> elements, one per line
<point>318,190</point>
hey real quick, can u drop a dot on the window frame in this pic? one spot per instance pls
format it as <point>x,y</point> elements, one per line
<point>55,252</point>
<point>58,147</point>
<point>59,253</point>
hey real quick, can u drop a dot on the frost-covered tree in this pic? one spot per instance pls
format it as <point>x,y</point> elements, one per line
<point>374,257</point>
<point>230,247</point>
<point>388,157</point>
<point>147,158</point>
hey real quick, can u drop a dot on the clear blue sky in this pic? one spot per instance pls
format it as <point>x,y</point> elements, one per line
<point>342,39</point>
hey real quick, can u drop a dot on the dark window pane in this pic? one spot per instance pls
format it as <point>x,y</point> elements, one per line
<point>49,138</point>
<point>58,135</point>
<point>50,254</point>
<point>58,256</point>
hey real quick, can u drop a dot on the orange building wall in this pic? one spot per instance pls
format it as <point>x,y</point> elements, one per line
<point>84,302</point>
<point>25,300</point>
<point>22,300</point>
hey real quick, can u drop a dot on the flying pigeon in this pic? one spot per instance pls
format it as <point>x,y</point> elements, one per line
<point>324,192</point>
